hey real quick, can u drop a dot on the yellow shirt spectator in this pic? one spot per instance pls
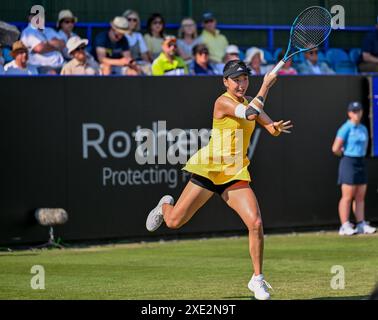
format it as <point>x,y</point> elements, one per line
<point>162,66</point>
<point>217,44</point>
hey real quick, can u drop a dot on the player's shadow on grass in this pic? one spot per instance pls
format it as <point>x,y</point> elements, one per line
<point>342,298</point>
<point>248,297</point>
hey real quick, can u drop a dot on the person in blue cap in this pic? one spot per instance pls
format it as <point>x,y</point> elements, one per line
<point>351,144</point>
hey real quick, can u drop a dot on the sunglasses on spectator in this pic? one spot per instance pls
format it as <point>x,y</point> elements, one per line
<point>117,34</point>
<point>203,52</point>
<point>132,19</point>
<point>68,21</point>
<point>208,21</point>
<point>172,44</point>
<point>81,48</point>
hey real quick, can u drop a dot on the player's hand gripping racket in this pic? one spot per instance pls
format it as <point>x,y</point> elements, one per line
<point>312,26</point>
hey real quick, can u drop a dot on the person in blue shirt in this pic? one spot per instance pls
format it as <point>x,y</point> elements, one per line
<point>111,48</point>
<point>201,64</point>
<point>351,144</point>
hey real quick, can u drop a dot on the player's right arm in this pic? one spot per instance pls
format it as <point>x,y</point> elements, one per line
<point>224,106</point>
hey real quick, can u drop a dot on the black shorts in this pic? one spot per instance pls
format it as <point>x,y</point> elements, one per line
<point>352,171</point>
<point>209,185</point>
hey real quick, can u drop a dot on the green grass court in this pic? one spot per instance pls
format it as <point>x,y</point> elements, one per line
<point>298,266</point>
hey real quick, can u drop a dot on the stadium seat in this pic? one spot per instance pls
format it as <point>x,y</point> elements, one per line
<point>334,55</point>
<point>7,54</point>
<point>345,67</point>
<point>321,57</point>
<point>354,54</point>
<point>268,56</point>
<point>276,53</point>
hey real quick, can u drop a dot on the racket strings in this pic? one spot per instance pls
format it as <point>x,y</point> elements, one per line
<point>311,28</point>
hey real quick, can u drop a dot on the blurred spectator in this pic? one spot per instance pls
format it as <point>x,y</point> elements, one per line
<point>20,66</point>
<point>138,47</point>
<point>201,65</point>
<point>65,25</point>
<point>232,53</point>
<point>214,40</point>
<point>369,57</point>
<point>155,35</point>
<point>81,63</point>
<point>187,39</point>
<point>44,48</point>
<point>311,65</point>
<point>254,59</point>
<point>112,48</point>
<point>287,69</point>
<point>168,63</point>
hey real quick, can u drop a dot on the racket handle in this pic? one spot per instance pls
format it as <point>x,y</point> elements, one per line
<point>278,67</point>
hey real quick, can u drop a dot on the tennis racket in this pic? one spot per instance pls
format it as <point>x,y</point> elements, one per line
<point>310,28</point>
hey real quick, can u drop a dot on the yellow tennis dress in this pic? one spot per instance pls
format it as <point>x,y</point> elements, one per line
<point>224,158</point>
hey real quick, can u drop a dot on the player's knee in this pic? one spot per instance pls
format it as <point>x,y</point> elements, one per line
<point>173,223</point>
<point>255,224</point>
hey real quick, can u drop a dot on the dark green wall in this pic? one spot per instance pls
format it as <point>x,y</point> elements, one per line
<point>358,12</point>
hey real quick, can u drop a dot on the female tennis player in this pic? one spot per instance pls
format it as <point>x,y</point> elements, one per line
<point>214,171</point>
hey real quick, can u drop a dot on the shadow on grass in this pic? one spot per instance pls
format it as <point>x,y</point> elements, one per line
<point>248,297</point>
<point>342,298</point>
<point>15,254</point>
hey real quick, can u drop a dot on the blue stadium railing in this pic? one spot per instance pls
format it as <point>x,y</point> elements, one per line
<point>270,29</point>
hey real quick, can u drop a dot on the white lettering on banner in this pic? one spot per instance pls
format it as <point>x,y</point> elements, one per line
<point>127,141</point>
<point>93,143</point>
<point>159,146</point>
<point>132,177</point>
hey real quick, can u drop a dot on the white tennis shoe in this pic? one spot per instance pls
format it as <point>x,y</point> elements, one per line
<point>155,217</point>
<point>347,229</point>
<point>259,287</point>
<point>364,228</point>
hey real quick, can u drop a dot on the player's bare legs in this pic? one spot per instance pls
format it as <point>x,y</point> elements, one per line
<point>191,199</point>
<point>244,202</point>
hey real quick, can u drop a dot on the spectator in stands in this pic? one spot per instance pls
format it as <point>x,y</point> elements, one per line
<point>138,47</point>
<point>287,69</point>
<point>81,63</point>
<point>311,65</point>
<point>65,25</point>
<point>201,65</point>
<point>254,59</point>
<point>214,40</point>
<point>369,56</point>
<point>168,63</point>
<point>155,35</point>
<point>351,144</point>
<point>112,48</point>
<point>44,48</point>
<point>20,66</point>
<point>187,39</point>
<point>232,53</point>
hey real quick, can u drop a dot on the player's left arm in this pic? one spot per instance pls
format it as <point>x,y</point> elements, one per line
<point>274,128</point>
